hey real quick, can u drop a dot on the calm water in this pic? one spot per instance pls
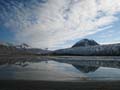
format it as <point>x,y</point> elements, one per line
<point>52,70</point>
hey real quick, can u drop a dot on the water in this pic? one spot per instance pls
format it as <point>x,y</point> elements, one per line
<point>58,71</point>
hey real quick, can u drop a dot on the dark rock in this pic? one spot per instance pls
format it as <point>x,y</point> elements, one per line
<point>85,42</point>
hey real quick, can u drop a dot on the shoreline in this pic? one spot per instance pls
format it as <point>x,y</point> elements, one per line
<point>63,59</point>
<point>58,85</point>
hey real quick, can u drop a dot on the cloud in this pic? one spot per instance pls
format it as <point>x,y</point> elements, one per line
<point>51,23</point>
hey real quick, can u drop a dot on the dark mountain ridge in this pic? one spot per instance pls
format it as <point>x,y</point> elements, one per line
<point>88,47</point>
<point>23,49</point>
<point>84,47</point>
<point>85,42</point>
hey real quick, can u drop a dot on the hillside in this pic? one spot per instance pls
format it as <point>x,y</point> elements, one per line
<point>22,49</point>
<point>85,48</point>
<point>85,42</point>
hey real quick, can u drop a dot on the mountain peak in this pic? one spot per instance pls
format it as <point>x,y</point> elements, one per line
<point>85,42</point>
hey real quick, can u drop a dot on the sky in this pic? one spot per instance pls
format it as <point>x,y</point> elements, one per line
<point>56,24</point>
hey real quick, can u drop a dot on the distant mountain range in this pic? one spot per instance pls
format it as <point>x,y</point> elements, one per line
<point>10,49</point>
<point>84,47</point>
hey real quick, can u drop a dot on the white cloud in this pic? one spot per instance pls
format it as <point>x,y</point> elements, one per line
<point>58,21</point>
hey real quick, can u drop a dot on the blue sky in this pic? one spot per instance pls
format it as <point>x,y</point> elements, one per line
<point>58,24</point>
<point>111,35</point>
<point>6,35</point>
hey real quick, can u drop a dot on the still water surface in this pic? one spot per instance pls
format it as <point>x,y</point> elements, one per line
<point>56,71</point>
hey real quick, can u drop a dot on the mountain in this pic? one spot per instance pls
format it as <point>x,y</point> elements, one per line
<point>10,49</point>
<point>38,51</point>
<point>83,47</point>
<point>88,47</point>
<point>85,42</point>
<point>6,49</point>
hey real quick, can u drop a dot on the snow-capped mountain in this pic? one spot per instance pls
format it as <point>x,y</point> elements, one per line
<point>88,47</point>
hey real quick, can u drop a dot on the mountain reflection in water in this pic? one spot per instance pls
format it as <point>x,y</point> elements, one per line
<point>59,70</point>
<point>86,69</point>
